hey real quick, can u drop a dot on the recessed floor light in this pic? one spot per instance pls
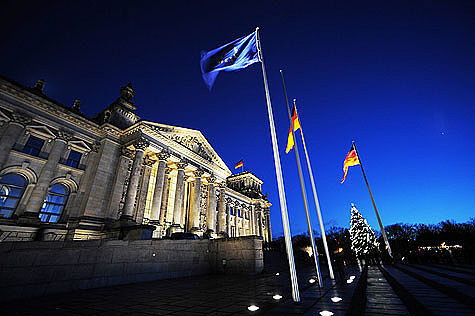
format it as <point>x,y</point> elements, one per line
<point>326,313</point>
<point>349,281</point>
<point>336,299</point>
<point>311,281</point>
<point>277,273</point>
<point>277,297</point>
<point>253,308</point>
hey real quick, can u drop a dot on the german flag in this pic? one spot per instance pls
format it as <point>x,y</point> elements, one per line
<point>239,164</point>
<point>290,138</point>
<point>350,160</point>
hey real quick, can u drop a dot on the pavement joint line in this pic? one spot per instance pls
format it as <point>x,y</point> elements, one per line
<point>446,290</point>
<point>444,275</point>
<point>452,268</point>
<point>414,306</point>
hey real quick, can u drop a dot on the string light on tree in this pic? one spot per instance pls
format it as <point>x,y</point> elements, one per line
<point>363,240</point>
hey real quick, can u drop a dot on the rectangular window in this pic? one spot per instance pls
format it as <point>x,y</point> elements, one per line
<point>73,159</point>
<point>33,146</point>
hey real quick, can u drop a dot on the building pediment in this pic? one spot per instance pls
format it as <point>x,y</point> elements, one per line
<point>191,139</point>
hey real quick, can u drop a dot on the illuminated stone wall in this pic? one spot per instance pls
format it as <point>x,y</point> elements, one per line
<point>30,269</point>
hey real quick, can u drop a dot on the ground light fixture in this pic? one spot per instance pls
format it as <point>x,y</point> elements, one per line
<point>277,297</point>
<point>311,281</point>
<point>336,299</point>
<point>253,308</point>
<point>277,273</point>
<point>326,313</point>
<point>349,281</point>
<point>352,277</point>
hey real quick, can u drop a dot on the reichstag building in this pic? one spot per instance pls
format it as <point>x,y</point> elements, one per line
<point>65,176</point>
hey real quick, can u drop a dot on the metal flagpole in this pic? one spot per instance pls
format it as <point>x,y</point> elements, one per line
<point>302,185</point>
<point>317,204</point>
<point>280,181</point>
<point>374,205</point>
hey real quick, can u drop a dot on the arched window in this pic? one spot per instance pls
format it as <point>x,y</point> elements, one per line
<point>54,204</point>
<point>12,187</point>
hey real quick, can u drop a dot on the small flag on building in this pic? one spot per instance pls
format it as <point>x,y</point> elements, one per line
<point>290,138</point>
<point>239,164</point>
<point>232,56</point>
<point>350,160</point>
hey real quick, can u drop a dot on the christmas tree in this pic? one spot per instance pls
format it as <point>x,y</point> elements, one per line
<point>363,240</point>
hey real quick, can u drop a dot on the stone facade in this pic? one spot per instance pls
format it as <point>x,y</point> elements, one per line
<point>65,176</point>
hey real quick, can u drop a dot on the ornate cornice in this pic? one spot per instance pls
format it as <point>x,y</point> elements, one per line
<point>49,107</point>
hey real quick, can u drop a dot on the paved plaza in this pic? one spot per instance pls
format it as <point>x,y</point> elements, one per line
<point>377,290</point>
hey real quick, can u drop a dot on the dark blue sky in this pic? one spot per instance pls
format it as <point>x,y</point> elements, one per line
<point>397,77</point>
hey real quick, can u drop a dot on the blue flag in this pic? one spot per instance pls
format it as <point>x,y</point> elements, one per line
<point>235,55</point>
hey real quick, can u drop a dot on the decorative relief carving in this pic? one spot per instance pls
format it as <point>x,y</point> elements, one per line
<point>21,118</point>
<point>141,143</point>
<point>148,161</point>
<point>127,152</point>
<point>160,128</point>
<point>163,156</point>
<point>212,180</point>
<point>193,144</point>
<point>182,165</point>
<point>65,135</point>
<point>203,206</point>
<point>96,146</point>
<point>167,170</point>
<point>198,173</point>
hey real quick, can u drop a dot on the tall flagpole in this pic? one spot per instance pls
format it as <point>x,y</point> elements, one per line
<point>302,185</point>
<point>317,204</point>
<point>280,181</point>
<point>374,205</point>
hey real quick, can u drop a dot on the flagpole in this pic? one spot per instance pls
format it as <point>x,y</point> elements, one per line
<point>317,204</point>
<point>280,180</point>
<point>374,205</point>
<point>302,185</point>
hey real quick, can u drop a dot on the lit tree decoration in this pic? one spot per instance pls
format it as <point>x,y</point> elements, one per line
<point>363,240</point>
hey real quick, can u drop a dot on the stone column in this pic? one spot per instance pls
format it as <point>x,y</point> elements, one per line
<point>269,233</point>
<point>177,208</point>
<point>228,216</point>
<point>256,220</point>
<point>158,191</point>
<point>252,219</point>
<point>11,135</point>
<point>221,209</point>
<point>211,212</point>
<point>259,222</point>
<point>195,209</point>
<point>46,175</point>
<point>128,212</point>
<point>164,203</point>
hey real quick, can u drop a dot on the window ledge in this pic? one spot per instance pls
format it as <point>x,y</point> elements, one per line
<point>24,155</point>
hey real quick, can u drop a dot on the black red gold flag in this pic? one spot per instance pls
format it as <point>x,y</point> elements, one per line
<point>290,138</point>
<point>239,164</point>
<point>350,160</point>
